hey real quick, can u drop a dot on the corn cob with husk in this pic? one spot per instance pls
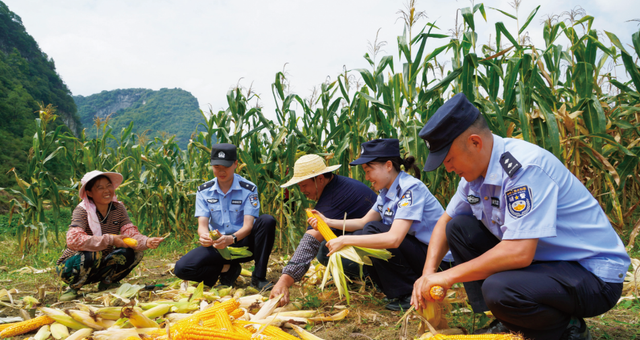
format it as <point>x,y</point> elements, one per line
<point>433,310</point>
<point>230,253</point>
<point>360,255</point>
<point>26,326</point>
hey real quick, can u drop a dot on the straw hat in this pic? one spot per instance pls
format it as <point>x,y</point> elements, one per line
<point>114,177</point>
<point>309,166</point>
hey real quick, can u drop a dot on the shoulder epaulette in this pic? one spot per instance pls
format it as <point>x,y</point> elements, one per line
<point>247,186</point>
<point>206,185</point>
<point>509,163</point>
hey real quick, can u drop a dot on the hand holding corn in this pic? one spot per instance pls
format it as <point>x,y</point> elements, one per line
<point>313,222</point>
<point>429,288</point>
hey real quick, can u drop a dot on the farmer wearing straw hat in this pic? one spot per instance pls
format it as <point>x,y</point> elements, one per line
<point>334,195</point>
<point>530,242</point>
<point>95,249</point>
<point>230,204</point>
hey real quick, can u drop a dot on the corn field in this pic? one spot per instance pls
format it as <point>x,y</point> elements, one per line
<point>563,99</point>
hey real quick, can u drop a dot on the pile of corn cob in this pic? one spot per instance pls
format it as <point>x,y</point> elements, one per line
<point>214,318</point>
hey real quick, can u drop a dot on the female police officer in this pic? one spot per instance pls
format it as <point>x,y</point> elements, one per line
<point>401,220</point>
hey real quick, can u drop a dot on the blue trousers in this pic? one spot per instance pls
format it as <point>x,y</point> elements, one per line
<point>204,264</point>
<point>537,301</point>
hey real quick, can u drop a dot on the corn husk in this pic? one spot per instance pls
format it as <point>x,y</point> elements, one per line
<point>157,311</point>
<point>267,308</point>
<point>138,319</point>
<point>198,293</point>
<point>335,317</point>
<point>304,335</point>
<point>115,334</point>
<point>109,313</point>
<point>62,318</point>
<point>125,292</point>
<point>85,319</point>
<point>59,331</point>
<point>43,333</point>
<point>230,253</point>
<point>80,334</point>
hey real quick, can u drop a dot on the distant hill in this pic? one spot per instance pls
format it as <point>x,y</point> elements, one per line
<point>174,111</point>
<point>27,77</point>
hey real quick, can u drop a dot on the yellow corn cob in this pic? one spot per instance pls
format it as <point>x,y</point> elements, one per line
<point>304,334</point>
<point>242,331</point>
<point>236,313</point>
<point>130,242</point>
<point>26,326</point>
<point>323,228</point>
<point>433,310</point>
<point>6,325</point>
<point>201,332</point>
<point>222,318</point>
<point>436,292</point>
<point>278,333</point>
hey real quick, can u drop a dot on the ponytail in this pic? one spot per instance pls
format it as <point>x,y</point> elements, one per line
<point>400,164</point>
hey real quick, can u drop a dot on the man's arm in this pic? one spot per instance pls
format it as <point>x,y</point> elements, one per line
<point>350,224</point>
<point>203,231</point>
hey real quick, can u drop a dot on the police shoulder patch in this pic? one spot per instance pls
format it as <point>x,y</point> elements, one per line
<point>253,199</point>
<point>247,186</point>
<point>519,201</point>
<point>206,185</point>
<point>473,199</point>
<point>509,163</point>
<point>406,199</point>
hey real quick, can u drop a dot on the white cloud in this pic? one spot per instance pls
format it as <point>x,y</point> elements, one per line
<point>206,47</point>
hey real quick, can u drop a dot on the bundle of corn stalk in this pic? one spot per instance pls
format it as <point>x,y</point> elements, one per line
<point>359,255</point>
<point>225,317</point>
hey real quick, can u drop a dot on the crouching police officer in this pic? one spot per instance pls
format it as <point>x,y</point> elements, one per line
<point>230,204</point>
<point>529,241</point>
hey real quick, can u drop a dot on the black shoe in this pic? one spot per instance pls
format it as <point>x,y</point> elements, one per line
<point>576,330</point>
<point>402,303</point>
<point>229,277</point>
<point>494,327</point>
<point>261,284</point>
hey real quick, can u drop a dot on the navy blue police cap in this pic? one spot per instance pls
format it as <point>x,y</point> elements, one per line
<point>377,148</point>
<point>450,120</point>
<point>223,154</point>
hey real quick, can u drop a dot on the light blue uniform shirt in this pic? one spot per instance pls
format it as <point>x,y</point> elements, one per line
<point>546,201</point>
<point>409,199</point>
<point>226,211</point>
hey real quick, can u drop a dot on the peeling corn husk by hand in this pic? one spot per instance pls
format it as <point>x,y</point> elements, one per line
<point>230,253</point>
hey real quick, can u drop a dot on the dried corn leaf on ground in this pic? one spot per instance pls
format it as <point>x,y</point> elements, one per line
<point>366,313</point>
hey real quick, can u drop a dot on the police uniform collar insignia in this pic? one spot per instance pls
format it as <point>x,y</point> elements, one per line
<point>247,186</point>
<point>509,163</point>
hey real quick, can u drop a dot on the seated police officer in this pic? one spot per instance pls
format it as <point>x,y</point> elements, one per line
<point>529,241</point>
<point>230,204</point>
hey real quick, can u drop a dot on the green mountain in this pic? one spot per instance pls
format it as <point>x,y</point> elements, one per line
<point>27,77</point>
<point>172,111</point>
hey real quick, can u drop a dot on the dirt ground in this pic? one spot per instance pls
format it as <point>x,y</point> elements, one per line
<point>367,317</point>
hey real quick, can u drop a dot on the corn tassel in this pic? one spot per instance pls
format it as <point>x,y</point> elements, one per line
<point>26,326</point>
<point>130,242</point>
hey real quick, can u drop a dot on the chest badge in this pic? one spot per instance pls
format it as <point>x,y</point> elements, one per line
<point>237,202</point>
<point>406,199</point>
<point>495,202</point>
<point>380,208</point>
<point>519,201</point>
<point>388,212</point>
<point>213,200</point>
<point>473,199</point>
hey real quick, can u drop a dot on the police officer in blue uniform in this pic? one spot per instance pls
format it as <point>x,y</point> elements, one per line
<point>530,242</point>
<point>230,204</point>
<point>401,221</point>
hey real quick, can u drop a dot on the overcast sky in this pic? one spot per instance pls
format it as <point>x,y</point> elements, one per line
<point>208,46</point>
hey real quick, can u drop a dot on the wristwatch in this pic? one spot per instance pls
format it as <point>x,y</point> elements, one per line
<point>235,238</point>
